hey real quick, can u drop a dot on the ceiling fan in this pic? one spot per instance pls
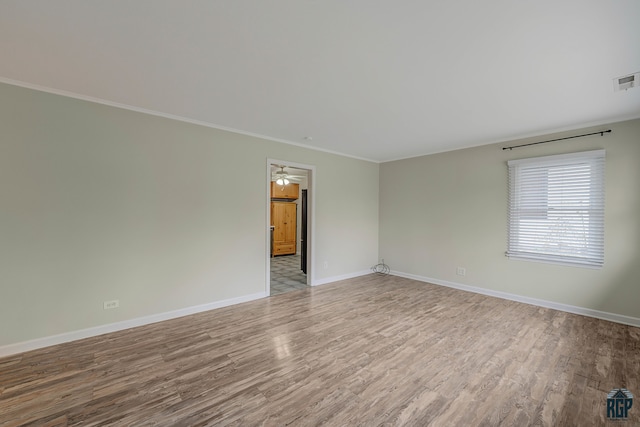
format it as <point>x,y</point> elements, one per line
<point>283,178</point>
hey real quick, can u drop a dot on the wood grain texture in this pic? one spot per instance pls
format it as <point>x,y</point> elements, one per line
<point>371,351</point>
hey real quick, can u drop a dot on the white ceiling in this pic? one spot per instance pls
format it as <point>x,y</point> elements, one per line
<point>378,80</point>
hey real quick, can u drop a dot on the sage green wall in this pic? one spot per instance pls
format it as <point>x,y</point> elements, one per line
<point>446,210</point>
<point>100,203</point>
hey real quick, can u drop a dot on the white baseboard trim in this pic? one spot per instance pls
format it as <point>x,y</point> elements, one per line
<point>612,317</point>
<point>37,343</point>
<point>341,277</point>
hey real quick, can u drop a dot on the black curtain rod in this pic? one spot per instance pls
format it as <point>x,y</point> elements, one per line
<point>601,133</point>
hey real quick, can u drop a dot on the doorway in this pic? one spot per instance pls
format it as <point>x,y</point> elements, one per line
<point>290,226</point>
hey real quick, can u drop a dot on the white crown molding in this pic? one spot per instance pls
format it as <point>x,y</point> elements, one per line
<point>520,137</point>
<point>37,343</point>
<point>612,317</point>
<point>95,100</point>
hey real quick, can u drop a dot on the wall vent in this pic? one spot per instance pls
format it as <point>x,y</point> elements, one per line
<point>626,82</point>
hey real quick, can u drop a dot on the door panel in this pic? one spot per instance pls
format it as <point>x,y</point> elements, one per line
<point>283,218</point>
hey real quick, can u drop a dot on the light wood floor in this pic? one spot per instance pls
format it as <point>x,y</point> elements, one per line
<point>368,351</point>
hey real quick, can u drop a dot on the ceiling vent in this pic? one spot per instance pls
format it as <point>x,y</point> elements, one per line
<point>626,82</point>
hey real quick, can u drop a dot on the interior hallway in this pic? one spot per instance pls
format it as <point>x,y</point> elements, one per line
<point>286,275</point>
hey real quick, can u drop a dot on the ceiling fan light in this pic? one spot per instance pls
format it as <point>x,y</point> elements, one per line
<point>282,181</point>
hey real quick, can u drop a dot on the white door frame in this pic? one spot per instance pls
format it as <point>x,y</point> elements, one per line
<point>311,219</point>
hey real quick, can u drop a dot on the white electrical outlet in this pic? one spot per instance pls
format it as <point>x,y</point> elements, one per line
<point>111,304</point>
<point>325,265</point>
<point>461,271</point>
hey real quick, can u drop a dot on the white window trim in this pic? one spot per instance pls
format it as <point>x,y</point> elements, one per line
<point>594,233</point>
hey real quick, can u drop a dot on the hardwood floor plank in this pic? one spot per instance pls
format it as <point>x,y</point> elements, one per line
<point>373,350</point>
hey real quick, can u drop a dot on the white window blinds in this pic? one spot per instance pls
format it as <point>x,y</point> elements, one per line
<point>556,209</point>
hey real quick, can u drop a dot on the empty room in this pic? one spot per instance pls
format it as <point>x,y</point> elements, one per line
<point>303,213</point>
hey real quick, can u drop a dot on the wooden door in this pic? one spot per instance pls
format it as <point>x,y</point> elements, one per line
<point>283,218</point>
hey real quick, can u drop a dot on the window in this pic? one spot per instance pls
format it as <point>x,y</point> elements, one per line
<point>556,209</point>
